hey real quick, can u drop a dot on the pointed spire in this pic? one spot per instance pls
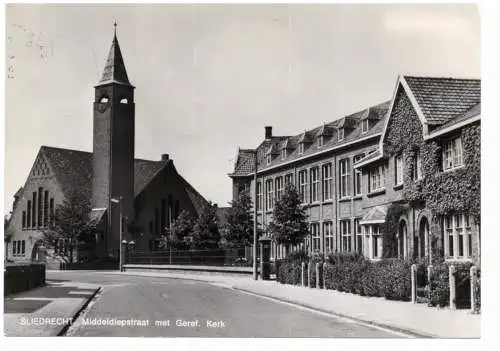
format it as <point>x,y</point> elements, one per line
<point>114,70</point>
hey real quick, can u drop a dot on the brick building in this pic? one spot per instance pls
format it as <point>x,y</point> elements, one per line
<point>152,192</point>
<point>352,171</point>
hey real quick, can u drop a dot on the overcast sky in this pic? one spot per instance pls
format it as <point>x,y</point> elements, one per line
<point>209,78</point>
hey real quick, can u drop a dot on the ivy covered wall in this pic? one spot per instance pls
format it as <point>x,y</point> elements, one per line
<point>443,192</point>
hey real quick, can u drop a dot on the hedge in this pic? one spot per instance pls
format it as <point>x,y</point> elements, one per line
<point>439,285</point>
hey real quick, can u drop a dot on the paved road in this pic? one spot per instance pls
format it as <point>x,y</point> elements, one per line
<point>174,307</point>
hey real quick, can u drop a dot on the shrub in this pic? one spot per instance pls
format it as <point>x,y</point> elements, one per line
<point>395,279</point>
<point>440,289</point>
<point>289,272</point>
<point>298,256</point>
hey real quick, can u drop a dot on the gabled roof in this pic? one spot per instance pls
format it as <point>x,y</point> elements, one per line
<point>197,200</point>
<point>114,69</point>
<point>442,99</point>
<point>245,162</point>
<point>374,215</point>
<point>325,129</point>
<point>305,137</point>
<point>460,119</point>
<point>73,169</point>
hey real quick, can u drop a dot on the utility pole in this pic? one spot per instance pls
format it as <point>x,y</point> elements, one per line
<point>255,275</point>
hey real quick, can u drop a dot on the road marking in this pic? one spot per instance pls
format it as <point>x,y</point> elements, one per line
<point>326,314</point>
<point>76,292</point>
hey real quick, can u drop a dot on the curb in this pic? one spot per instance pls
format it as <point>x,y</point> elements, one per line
<point>79,310</point>
<point>335,314</point>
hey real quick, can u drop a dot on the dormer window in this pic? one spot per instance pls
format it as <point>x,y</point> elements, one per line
<point>340,134</point>
<point>283,154</point>
<point>301,148</point>
<point>268,159</point>
<point>365,126</point>
<point>321,141</point>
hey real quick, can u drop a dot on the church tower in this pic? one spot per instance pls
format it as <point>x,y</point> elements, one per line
<point>113,147</point>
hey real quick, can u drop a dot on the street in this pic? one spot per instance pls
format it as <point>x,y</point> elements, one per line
<point>153,306</point>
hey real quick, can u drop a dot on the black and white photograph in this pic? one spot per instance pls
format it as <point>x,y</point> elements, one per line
<point>242,170</point>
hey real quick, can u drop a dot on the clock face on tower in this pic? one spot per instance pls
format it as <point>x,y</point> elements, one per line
<point>103,104</point>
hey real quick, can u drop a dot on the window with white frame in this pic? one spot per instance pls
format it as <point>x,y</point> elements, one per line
<point>377,178</point>
<point>358,178</point>
<point>345,177</point>
<point>314,184</point>
<point>289,178</point>
<point>398,169</point>
<point>452,154</point>
<point>364,126</point>
<point>321,141</point>
<point>359,236</point>
<point>376,241</point>
<point>345,234</point>
<point>458,236</point>
<point>328,232</point>
<point>417,166</point>
<point>259,196</point>
<point>269,194</point>
<point>326,169</point>
<point>303,185</point>
<point>279,188</point>
<point>340,134</point>
<point>315,237</point>
<point>283,154</point>
<point>301,148</point>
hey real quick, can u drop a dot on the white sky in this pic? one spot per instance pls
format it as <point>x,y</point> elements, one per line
<point>209,78</point>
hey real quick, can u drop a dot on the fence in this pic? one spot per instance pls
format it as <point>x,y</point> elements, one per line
<point>22,277</point>
<point>209,257</point>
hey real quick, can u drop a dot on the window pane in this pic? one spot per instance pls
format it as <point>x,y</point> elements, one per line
<point>460,244</point>
<point>469,237</point>
<point>450,245</point>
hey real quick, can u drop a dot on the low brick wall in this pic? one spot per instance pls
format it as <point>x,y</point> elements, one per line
<point>88,266</point>
<point>219,270</point>
<point>22,277</point>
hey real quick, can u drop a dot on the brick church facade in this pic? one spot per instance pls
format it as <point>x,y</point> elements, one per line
<point>149,194</point>
<point>417,155</point>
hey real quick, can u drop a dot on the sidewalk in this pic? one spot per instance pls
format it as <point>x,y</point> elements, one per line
<point>416,319</point>
<point>47,310</point>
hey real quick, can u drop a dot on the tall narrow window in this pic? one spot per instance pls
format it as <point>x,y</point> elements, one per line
<point>23,247</point>
<point>340,134</point>
<point>345,234</point>
<point>345,177</point>
<point>314,184</point>
<point>452,154</point>
<point>259,196</point>
<point>46,214</point>
<point>33,210</point>
<point>28,218</point>
<point>279,187</point>
<point>301,148</point>
<point>417,166</point>
<point>327,181</point>
<point>376,243</point>
<point>270,194</point>
<point>358,182</point>
<point>163,215</point>
<point>359,236</point>
<point>460,235</point>
<point>40,209</point>
<point>303,185</point>
<point>320,141</point>
<point>315,236</point>
<point>328,232</point>
<point>289,179</point>
<point>14,248</point>
<point>398,169</point>
<point>364,126</point>
<point>52,214</point>
<point>24,219</point>
<point>157,221</point>
<point>283,154</point>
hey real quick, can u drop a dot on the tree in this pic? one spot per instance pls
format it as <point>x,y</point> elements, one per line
<point>206,230</point>
<point>238,231</point>
<point>178,236</point>
<point>289,225</point>
<point>71,227</point>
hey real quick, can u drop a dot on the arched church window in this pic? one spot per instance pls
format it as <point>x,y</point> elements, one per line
<point>104,99</point>
<point>124,101</point>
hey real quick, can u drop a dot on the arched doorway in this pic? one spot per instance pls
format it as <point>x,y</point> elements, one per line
<point>423,237</point>
<point>402,232</point>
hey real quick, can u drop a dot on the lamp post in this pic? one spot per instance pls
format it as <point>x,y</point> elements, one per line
<point>255,275</point>
<point>120,259</point>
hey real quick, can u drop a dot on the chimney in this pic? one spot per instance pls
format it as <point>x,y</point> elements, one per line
<point>164,157</point>
<point>269,132</point>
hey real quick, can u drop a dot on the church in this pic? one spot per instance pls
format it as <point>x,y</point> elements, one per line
<point>146,194</point>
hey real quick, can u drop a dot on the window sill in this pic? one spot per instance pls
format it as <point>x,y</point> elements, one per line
<point>315,203</point>
<point>327,202</point>
<point>357,197</point>
<point>376,192</point>
<point>459,259</point>
<point>453,169</point>
<point>344,199</point>
<point>398,186</point>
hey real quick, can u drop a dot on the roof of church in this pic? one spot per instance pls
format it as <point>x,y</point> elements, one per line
<point>73,169</point>
<point>114,69</point>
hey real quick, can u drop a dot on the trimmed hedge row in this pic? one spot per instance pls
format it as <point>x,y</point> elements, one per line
<point>439,285</point>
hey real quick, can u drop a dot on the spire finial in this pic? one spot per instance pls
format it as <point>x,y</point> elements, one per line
<point>115,24</point>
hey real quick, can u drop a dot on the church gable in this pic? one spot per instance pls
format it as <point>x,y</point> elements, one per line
<point>40,168</point>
